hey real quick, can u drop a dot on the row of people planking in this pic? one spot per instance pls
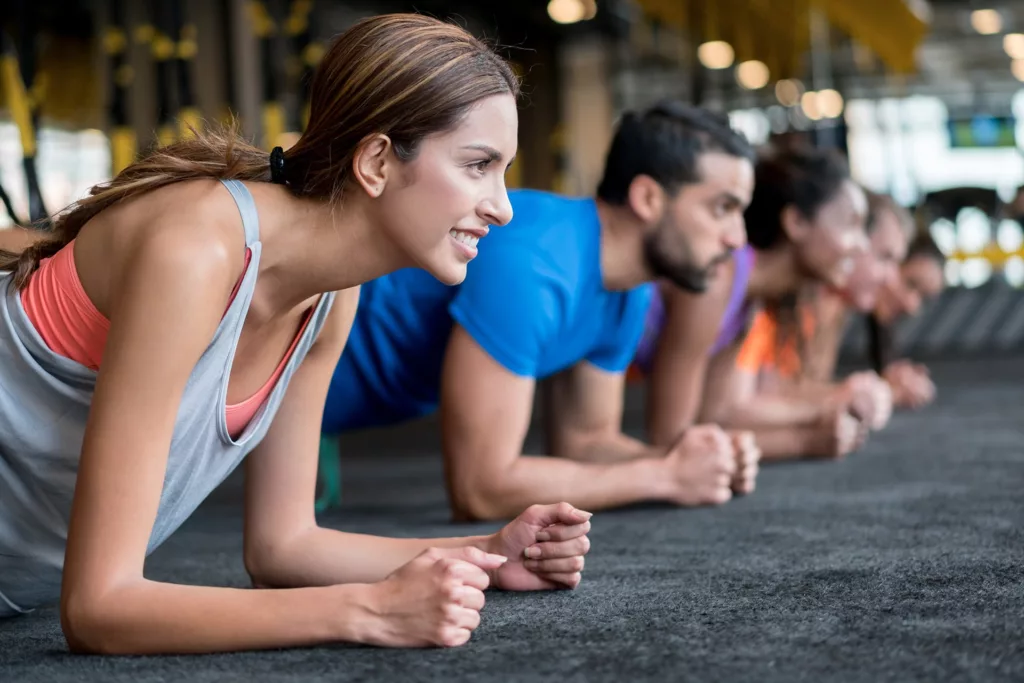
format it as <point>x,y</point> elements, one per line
<point>212,305</point>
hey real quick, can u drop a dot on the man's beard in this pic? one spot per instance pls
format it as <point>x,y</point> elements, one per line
<point>671,257</point>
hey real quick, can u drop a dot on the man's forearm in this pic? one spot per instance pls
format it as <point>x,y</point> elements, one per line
<point>610,448</point>
<point>587,486</point>
<point>325,557</point>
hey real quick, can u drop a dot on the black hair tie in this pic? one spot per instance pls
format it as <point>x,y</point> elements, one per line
<point>277,166</point>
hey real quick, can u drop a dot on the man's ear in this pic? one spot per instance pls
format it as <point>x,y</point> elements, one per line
<point>372,164</point>
<point>647,198</point>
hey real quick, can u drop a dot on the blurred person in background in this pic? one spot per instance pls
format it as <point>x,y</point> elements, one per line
<point>921,279</point>
<point>811,376</point>
<point>806,225</point>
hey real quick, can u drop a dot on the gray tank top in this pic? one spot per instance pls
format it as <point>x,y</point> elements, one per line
<point>44,404</point>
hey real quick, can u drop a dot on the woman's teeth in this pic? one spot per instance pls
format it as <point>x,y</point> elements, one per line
<point>843,270</point>
<point>464,237</point>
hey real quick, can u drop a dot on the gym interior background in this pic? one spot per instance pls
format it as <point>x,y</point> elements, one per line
<point>926,99</point>
<point>924,96</point>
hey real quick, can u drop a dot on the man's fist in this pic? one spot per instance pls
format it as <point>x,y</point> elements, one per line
<point>702,464</point>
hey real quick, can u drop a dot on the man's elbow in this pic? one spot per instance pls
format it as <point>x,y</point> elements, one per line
<point>267,561</point>
<point>480,498</point>
<point>574,445</point>
<point>260,568</point>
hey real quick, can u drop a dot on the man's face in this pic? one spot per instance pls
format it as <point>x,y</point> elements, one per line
<point>702,224</point>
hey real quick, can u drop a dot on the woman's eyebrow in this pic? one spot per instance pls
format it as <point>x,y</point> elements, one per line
<point>492,154</point>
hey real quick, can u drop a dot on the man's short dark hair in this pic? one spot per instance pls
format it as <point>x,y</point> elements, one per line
<point>666,142</point>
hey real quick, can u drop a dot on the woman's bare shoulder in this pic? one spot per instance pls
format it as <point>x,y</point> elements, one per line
<point>193,226</point>
<point>201,212</point>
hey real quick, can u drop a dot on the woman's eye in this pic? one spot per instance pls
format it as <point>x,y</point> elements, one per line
<point>481,166</point>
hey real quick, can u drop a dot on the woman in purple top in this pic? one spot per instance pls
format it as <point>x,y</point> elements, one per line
<point>734,320</point>
<point>805,225</point>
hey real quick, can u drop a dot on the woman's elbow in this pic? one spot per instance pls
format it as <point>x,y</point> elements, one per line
<point>87,625</point>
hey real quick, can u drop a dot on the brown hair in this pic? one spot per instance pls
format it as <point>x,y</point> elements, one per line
<point>883,203</point>
<point>406,76</point>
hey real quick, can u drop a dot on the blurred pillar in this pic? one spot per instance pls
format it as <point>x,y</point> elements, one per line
<point>821,72</point>
<point>303,57</point>
<point>163,49</point>
<point>209,69</point>
<point>123,142</point>
<point>186,32</point>
<point>245,67</point>
<point>264,25</point>
<point>141,112</point>
<point>587,113</point>
<point>536,163</point>
<point>228,109</point>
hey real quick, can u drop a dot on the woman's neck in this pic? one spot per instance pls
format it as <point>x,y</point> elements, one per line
<point>316,248</point>
<point>776,274</point>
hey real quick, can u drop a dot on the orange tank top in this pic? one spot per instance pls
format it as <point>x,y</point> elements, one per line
<point>762,350</point>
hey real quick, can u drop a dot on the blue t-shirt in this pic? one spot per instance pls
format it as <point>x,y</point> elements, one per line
<point>533,299</point>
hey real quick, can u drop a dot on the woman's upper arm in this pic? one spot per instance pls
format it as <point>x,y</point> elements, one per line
<point>728,385</point>
<point>281,472</point>
<point>677,379</point>
<point>163,313</point>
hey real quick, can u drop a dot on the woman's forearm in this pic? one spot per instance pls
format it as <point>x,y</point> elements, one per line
<point>765,411</point>
<point>324,557</point>
<point>789,443</point>
<point>18,239</point>
<point>811,390</point>
<point>145,617</point>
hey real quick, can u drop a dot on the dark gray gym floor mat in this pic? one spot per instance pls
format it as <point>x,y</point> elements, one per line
<point>903,563</point>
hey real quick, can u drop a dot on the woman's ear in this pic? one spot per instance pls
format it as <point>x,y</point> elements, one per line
<point>372,165</point>
<point>794,224</point>
<point>647,199</point>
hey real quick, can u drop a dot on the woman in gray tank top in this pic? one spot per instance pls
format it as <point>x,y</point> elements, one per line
<point>412,126</point>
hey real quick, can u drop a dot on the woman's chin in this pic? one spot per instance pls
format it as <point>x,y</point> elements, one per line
<point>450,273</point>
<point>838,279</point>
<point>865,304</point>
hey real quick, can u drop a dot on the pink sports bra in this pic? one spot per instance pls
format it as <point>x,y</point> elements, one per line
<point>67,320</point>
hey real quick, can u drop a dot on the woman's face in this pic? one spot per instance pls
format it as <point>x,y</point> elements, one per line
<point>829,243</point>
<point>920,279</point>
<point>444,200</point>
<point>879,266</point>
